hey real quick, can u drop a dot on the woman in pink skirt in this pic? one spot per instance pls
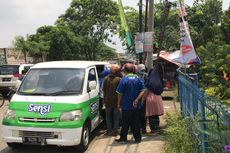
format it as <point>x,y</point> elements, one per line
<point>154,109</point>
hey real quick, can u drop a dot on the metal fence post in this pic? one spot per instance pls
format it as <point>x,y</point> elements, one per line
<point>188,97</point>
<point>181,92</point>
<point>184,94</point>
<point>181,98</point>
<point>203,125</point>
<point>195,97</point>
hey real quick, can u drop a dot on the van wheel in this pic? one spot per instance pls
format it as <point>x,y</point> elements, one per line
<point>14,145</point>
<point>84,138</point>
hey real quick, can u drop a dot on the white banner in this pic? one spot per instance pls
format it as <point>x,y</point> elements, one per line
<point>187,51</point>
<point>148,42</point>
<point>139,43</point>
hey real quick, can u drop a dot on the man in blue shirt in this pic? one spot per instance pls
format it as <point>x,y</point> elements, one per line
<point>130,91</point>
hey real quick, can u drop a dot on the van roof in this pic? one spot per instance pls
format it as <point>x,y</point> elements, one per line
<point>68,64</point>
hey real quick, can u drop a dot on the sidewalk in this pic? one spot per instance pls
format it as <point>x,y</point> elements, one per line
<point>151,143</point>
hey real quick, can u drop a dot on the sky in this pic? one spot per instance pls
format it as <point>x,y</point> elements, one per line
<point>21,17</point>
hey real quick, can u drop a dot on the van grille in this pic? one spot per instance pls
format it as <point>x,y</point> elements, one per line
<point>49,120</point>
<point>36,134</point>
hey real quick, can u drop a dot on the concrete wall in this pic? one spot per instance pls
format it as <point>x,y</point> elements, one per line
<point>10,56</point>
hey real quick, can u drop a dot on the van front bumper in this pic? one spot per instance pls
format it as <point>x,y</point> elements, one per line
<point>62,137</point>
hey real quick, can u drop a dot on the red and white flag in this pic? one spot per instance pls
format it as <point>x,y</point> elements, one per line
<point>187,51</point>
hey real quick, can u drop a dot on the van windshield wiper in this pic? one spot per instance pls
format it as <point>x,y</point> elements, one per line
<point>31,93</point>
<point>62,92</point>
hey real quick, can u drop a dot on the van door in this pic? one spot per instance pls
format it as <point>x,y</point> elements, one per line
<point>93,98</point>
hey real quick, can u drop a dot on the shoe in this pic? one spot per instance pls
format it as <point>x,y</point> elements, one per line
<point>138,141</point>
<point>109,133</point>
<point>144,131</point>
<point>121,140</point>
<point>155,131</point>
<point>114,134</point>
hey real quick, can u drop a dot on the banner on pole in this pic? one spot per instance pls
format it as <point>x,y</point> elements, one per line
<point>187,51</point>
<point>144,42</point>
<point>139,42</point>
<point>124,24</point>
<point>148,42</point>
<point>186,55</point>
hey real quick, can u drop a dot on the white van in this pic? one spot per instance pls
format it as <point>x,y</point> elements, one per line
<point>57,103</point>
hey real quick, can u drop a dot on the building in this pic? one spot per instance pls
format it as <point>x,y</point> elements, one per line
<point>11,56</point>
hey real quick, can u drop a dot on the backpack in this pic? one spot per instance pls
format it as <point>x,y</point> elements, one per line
<point>154,83</point>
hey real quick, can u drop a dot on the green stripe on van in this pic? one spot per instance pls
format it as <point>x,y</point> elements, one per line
<point>56,109</point>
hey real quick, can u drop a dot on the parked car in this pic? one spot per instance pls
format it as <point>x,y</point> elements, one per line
<point>9,74</point>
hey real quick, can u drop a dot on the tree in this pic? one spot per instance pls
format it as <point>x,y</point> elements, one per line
<point>166,26</point>
<point>61,42</point>
<point>41,41</point>
<point>106,53</point>
<point>94,20</point>
<point>163,27</point>
<point>21,44</point>
<point>225,26</point>
<point>215,64</point>
<point>64,44</point>
<point>214,10</point>
<point>204,19</point>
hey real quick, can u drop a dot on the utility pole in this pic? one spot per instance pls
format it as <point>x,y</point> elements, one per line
<point>146,15</point>
<point>5,56</point>
<point>146,26</point>
<point>140,27</point>
<point>150,29</point>
<point>228,41</point>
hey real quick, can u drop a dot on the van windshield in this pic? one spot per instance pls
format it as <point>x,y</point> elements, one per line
<point>53,81</point>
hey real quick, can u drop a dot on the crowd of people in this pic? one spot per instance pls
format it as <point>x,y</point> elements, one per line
<point>131,97</point>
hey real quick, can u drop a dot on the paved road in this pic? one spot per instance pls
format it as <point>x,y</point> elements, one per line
<point>151,143</point>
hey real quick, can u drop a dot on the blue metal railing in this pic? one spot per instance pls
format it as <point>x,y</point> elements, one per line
<point>210,128</point>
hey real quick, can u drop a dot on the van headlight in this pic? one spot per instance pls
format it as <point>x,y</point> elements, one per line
<point>71,116</point>
<point>10,114</point>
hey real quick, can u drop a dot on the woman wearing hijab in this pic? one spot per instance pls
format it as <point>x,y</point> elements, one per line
<point>153,100</point>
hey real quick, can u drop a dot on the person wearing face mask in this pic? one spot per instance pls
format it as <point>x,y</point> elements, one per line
<point>141,73</point>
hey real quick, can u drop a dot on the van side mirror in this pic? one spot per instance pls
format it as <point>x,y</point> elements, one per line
<point>92,85</point>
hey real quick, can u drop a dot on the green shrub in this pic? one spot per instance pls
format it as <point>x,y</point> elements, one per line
<point>177,135</point>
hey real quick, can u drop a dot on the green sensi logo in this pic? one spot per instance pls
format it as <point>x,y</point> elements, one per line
<point>42,109</point>
<point>94,107</point>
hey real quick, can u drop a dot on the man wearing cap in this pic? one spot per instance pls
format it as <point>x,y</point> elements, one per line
<point>130,91</point>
